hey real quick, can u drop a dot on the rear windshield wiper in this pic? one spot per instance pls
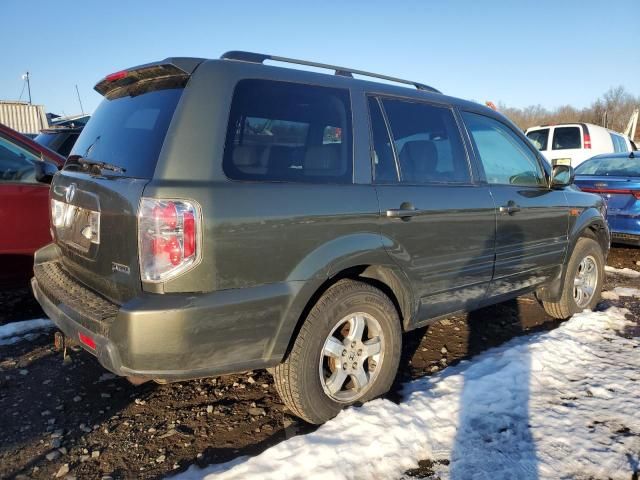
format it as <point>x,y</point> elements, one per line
<point>88,164</point>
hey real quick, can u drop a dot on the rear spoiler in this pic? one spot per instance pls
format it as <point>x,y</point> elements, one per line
<point>169,67</point>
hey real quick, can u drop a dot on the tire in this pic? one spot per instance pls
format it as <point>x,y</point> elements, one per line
<point>586,252</point>
<point>327,349</point>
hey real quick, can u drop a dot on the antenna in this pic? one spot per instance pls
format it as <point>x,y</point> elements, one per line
<point>79,101</point>
<point>25,77</point>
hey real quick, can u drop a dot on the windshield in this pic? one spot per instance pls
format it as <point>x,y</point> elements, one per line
<point>129,131</point>
<point>619,167</point>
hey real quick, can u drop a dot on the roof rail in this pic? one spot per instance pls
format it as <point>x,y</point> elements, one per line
<point>342,71</point>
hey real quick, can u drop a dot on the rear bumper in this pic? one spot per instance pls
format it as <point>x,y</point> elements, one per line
<point>171,336</point>
<point>626,238</point>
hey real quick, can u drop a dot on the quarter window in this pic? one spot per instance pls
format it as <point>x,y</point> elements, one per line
<point>505,157</point>
<point>289,132</point>
<point>427,142</point>
<point>565,138</point>
<point>16,163</point>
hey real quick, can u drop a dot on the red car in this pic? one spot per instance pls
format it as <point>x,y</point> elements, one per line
<point>24,203</point>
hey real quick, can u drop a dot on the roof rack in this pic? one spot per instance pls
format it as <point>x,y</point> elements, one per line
<point>342,71</point>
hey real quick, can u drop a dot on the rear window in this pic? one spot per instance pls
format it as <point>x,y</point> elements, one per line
<point>565,138</point>
<point>614,167</point>
<point>540,138</point>
<point>289,132</point>
<point>129,131</point>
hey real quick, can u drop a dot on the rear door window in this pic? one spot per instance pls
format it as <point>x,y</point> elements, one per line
<point>289,132</point>
<point>565,138</point>
<point>427,142</point>
<point>540,138</point>
<point>129,131</point>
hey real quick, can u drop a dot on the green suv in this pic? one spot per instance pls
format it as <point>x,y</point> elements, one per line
<point>217,216</point>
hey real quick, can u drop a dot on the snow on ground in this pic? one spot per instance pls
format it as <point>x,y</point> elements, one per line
<point>558,404</point>
<point>13,332</point>
<point>627,272</point>
<point>618,292</point>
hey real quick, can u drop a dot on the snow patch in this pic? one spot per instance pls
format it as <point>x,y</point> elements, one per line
<point>11,333</point>
<point>627,272</point>
<point>558,404</point>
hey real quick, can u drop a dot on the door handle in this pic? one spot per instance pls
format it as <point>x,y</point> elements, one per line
<point>510,208</point>
<point>403,213</point>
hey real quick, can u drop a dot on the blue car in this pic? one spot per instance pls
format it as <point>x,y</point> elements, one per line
<point>616,178</point>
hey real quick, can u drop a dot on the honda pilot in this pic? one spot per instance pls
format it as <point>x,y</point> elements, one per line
<point>217,216</point>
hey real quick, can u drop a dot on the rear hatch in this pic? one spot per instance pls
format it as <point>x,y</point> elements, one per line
<point>95,198</point>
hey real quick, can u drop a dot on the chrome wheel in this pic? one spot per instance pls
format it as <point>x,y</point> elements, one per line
<point>351,357</point>
<point>585,281</point>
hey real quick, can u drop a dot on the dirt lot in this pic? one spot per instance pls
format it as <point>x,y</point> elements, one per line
<point>72,419</point>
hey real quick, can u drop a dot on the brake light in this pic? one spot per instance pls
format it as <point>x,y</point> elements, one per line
<point>168,237</point>
<point>112,77</point>
<point>586,139</point>
<point>636,193</point>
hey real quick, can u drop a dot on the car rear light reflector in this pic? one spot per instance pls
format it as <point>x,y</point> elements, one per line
<point>168,237</point>
<point>87,340</point>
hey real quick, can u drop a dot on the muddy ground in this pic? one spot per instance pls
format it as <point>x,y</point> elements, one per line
<point>72,419</point>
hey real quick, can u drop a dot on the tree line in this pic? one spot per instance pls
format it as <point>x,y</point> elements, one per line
<point>611,110</point>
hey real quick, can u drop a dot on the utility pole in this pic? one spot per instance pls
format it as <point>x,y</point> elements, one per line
<point>79,101</point>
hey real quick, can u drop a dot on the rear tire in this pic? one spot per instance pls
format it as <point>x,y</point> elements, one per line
<point>347,352</point>
<point>582,282</point>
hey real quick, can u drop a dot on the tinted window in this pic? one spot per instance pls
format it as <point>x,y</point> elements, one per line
<point>129,131</point>
<point>16,163</point>
<point>289,132</point>
<point>567,137</point>
<point>384,164</point>
<point>539,138</point>
<point>623,167</point>
<point>427,142</point>
<point>505,157</point>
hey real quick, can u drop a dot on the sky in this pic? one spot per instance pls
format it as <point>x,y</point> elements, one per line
<point>520,53</point>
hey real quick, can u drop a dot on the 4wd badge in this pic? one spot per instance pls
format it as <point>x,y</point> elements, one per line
<point>118,267</point>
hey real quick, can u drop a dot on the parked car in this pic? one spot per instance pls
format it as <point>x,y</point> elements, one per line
<point>59,139</point>
<point>229,215</point>
<point>573,143</point>
<point>24,204</point>
<point>616,178</point>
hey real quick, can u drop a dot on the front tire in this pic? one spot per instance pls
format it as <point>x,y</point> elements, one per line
<point>582,282</point>
<point>346,352</point>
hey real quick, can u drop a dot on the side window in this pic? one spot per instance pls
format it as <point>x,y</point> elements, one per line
<point>289,132</point>
<point>619,145</point>
<point>16,163</point>
<point>384,164</point>
<point>539,138</point>
<point>505,157</point>
<point>565,138</point>
<point>427,142</point>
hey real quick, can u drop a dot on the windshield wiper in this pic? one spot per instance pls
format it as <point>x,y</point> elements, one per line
<point>88,164</point>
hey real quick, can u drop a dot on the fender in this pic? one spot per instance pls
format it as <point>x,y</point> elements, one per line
<point>364,251</point>
<point>590,223</point>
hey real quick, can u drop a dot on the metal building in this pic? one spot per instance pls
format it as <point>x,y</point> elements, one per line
<point>23,117</point>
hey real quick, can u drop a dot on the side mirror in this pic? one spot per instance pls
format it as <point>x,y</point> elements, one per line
<point>45,171</point>
<point>561,176</point>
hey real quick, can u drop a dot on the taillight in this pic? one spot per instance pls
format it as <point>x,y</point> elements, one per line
<point>586,139</point>
<point>168,237</point>
<point>636,193</point>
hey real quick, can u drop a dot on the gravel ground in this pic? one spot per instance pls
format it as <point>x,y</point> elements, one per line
<point>70,418</point>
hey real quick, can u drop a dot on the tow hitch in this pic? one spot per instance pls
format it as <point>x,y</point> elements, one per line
<point>61,342</point>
